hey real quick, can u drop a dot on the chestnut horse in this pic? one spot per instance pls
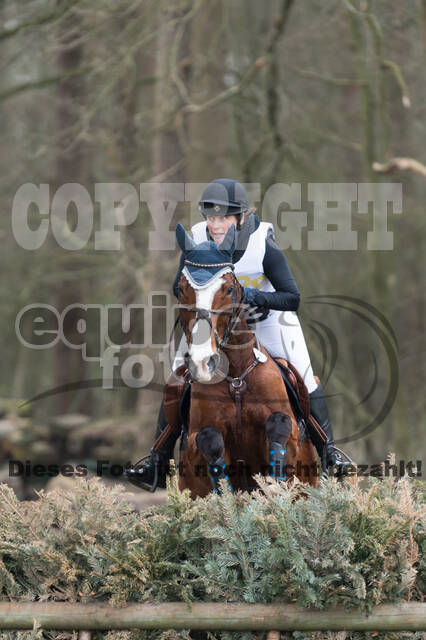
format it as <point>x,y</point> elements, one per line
<point>240,419</point>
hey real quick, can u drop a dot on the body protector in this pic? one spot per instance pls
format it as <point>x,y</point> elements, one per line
<point>249,269</point>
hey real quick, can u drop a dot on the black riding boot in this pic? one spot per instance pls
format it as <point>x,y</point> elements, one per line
<point>157,463</point>
<point>327,453</point>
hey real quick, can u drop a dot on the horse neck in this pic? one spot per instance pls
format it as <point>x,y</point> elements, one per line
<point>240,349</point>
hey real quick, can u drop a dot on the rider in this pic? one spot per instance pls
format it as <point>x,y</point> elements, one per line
<point>269,288</point>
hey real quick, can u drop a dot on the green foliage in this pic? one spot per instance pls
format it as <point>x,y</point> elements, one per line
<point>341,546</point>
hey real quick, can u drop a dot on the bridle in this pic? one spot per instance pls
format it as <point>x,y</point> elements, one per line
<point>237,386</point>
<point>206,314</point>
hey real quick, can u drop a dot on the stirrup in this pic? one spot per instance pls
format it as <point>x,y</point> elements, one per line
<point>132,476</point>
<point>340,454</point>
<point>345,455</point>
<point>343,461</point>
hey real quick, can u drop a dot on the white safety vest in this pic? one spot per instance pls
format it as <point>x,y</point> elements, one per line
<point>249,269</point>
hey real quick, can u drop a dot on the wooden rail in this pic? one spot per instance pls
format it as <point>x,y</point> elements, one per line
<point>233,617</point>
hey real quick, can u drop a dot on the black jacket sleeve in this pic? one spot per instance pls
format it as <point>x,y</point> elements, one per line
<point>275,267</point>
<point>178,275</point>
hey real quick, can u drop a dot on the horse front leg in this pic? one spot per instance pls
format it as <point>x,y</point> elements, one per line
<point>211,444</point>
<point>278,429</point>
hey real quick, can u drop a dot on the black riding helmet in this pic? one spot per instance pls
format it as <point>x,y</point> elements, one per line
<point>223,197</point>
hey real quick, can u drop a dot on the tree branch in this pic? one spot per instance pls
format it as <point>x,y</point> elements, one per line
<point>43,82</point>
<point>400,164</point>
<point>339,82</point>
<point>228,93</point>
<point>57,12</point>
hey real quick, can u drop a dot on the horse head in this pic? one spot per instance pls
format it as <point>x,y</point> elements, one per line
<point>209,302</point>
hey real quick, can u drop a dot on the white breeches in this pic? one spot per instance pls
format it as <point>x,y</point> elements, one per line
<point>281,334</point>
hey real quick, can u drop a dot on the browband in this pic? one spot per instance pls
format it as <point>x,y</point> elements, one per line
<point>207,266</point>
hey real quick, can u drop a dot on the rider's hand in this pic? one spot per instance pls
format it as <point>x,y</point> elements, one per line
<point>249,296</point>
<point>256,314</point>
<point>261,313</point>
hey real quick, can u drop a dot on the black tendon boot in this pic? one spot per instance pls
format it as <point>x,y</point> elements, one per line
<point>328,454</point>
<point>152,473</point>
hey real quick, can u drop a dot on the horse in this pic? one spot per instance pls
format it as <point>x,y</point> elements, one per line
<point>240,419</point>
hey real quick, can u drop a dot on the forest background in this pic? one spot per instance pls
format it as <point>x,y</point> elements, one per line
<point>154,92</point>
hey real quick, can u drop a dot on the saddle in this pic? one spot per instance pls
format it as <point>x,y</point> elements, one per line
<point>177,398</point>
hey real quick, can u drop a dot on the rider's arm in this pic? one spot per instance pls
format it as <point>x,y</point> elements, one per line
<point>275,267</point>
<point>178,275</point>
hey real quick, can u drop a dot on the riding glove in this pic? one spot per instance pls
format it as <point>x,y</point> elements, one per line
<point>256,312</point>
<point>249,296</point>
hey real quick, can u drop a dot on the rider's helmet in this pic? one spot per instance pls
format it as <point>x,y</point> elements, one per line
<point>223,197</point>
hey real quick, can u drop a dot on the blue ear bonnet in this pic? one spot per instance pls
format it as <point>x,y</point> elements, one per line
<point>206,253</point>
<point>213,257</point>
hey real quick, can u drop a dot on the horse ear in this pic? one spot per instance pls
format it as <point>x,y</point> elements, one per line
<point>229,241</point>
<point>184,240</point>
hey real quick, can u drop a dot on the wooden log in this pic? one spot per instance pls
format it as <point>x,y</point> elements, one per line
<point>233,617</point>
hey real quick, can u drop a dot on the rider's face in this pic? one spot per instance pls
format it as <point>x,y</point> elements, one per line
<point>219,225</point>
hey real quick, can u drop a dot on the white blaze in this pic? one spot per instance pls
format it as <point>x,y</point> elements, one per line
<point>201,348</point>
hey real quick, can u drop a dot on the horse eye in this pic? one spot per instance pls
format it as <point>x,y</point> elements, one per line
<point>229,291</point>
<point>180,290</point>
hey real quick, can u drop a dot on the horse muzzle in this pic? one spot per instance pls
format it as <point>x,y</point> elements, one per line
<point>208,370</point>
